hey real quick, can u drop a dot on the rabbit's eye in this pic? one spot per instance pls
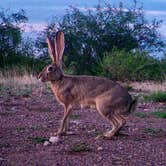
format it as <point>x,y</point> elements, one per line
<point>50,68</point>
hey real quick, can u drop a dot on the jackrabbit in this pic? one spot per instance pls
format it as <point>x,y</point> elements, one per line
<point>109,98</point>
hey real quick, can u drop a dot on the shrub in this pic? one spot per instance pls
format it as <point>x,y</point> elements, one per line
<point>122,65</point>
<point>90,33</point>
<point>153,131</point>
<point>156,96</point>
<point>21,64</point>
<point>159,114</point>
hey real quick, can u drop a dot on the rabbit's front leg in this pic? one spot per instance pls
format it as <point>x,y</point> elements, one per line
<point>64,123</point>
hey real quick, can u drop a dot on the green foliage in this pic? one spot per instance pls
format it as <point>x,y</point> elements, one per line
<point>122,65</point>
<point>89,34</point>
<point>156,97</point>
<point>80,147</point>
<point>140,114</point>
<point>20,63</point>
<point>38,140</point>
<point>153,131</point>
<point>16,53</point>
<point>159,114</point>
<point>10,31</point>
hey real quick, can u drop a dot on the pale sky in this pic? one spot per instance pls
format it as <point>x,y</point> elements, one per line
<point>40,11</point>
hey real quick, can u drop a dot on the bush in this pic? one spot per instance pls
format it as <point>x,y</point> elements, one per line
<point>159,114</point>
<point>21,64</point>
<point>91,33</point>
<point>157,97</point>
<point>122,65</point>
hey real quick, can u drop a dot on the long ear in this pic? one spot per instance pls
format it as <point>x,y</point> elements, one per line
<point>51,49</point>
<point>60,46</point>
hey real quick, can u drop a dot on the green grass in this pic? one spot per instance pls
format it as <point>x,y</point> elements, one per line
<point>5,145</point>
<point>156,97</point>
<point>37,140</point>
<point>75,116</point>
<point>45,110</point>
<point>153,131</point>
<point>128,87</point>
<point>6,113</point>
<point>141,114</point>
<point>80,147</point>
<point>159,114</point>
<point>36,127</point>
<point>20,129</point>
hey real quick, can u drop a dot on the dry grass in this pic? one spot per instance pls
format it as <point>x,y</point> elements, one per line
<point>149,86</point>
<point>14,79</point>
<point>18,80</point>
<point>12,84</point>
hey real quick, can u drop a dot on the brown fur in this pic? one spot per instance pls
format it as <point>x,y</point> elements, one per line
<point>109,98</point>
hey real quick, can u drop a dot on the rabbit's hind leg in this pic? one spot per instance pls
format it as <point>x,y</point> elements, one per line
<point>108,113</point>
<point>116,123</point>
<point>122,121</point>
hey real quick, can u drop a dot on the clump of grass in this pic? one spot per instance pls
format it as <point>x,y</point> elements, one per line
<point>20,129</point>
<point>153,131</point>
<point>75,116</point>
<point>156,97</point>
<point>159,114</point>
<point>128,87</point>
<point>150,86</point>
<point>36,127</point>
<point>38,140</point>
<point>80,147</point>
<point>4,145</point>
<point>45,110</point>
<point>6,113</point>
<point>17,84</point>
<point>141,114</point>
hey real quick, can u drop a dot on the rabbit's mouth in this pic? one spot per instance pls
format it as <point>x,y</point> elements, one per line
<point>41,78</point>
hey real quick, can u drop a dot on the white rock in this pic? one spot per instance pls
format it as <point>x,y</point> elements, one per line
<point>99,148</point>
<point>70,132</point>
<point>75,122</point>
<point>46,143</point>
<point>54,139</point>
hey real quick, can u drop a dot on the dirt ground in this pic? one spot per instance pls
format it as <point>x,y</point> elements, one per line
<point>29,117</point>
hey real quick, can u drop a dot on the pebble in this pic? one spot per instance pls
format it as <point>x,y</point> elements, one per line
<point>99,148</point>
<point>70,132</point>
<point>54,139</point>
<point>46,143</point>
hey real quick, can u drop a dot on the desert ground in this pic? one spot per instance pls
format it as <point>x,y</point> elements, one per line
<point>29,115</point>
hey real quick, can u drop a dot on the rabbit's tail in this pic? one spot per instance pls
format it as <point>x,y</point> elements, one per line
<point>133,105</point>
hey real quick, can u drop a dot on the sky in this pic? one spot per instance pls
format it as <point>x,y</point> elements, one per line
<point>39,12</point>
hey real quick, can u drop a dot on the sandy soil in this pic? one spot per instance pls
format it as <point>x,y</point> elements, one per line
<point>27,120</point>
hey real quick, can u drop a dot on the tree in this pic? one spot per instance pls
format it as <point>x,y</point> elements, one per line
<point>10,31</point>
<point>90,33</point>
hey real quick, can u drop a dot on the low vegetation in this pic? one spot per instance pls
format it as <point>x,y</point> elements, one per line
<point>156,97</point>
<point>37,140</point>
<point>160,114</point>
<point>153,131</point>
<point>141,114</point>
<point>122,65</point>
<point>124,54</point>
<point>80,147</point>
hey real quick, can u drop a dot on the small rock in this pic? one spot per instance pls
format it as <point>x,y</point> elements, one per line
<point>70,133</point>
<point>91,131</point>
<point>75,122</point>
<point>46,143</point>
<point>54,139</point>
<point>99,148</point>
<point>99,159</point>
